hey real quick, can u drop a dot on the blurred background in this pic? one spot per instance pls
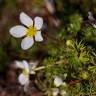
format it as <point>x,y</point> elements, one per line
<point>58,15</point>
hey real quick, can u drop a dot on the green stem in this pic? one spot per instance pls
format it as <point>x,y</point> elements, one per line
<point>43,67</point>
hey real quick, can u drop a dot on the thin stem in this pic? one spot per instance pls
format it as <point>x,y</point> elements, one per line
<point>43,67</point>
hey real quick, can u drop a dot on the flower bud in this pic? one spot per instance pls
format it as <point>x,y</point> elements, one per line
<point>58,81</point>
<point>55,92</point>
<point>69,42</point>
<point>84,75</point>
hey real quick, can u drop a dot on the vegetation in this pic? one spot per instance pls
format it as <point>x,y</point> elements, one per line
<point>68,49</point>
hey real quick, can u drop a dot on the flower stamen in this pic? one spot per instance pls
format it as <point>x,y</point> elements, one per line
<point>25,73</point>
<point>31,31</point>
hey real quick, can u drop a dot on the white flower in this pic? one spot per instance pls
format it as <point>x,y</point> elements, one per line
<point>29,30</point>
<point>55,92</point>
<point>58,81</point>
<point>94,25</point>
<point>24,76</point>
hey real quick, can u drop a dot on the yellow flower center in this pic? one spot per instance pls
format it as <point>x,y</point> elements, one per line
<point>25,73</point>
<point>31,31</point>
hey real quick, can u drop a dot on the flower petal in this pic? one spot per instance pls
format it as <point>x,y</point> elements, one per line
<point>38,36</point>
<point>38,22</point>
<point>25,19</point>
<point>22,79</point>
<point>18,31</point>
<point>26,86</point>
<point>94,25</point>
<point>58,81</point>
<point>26,65</point>
<point>55,92</point>
<point>27,42</point>
<point>19,64</point>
